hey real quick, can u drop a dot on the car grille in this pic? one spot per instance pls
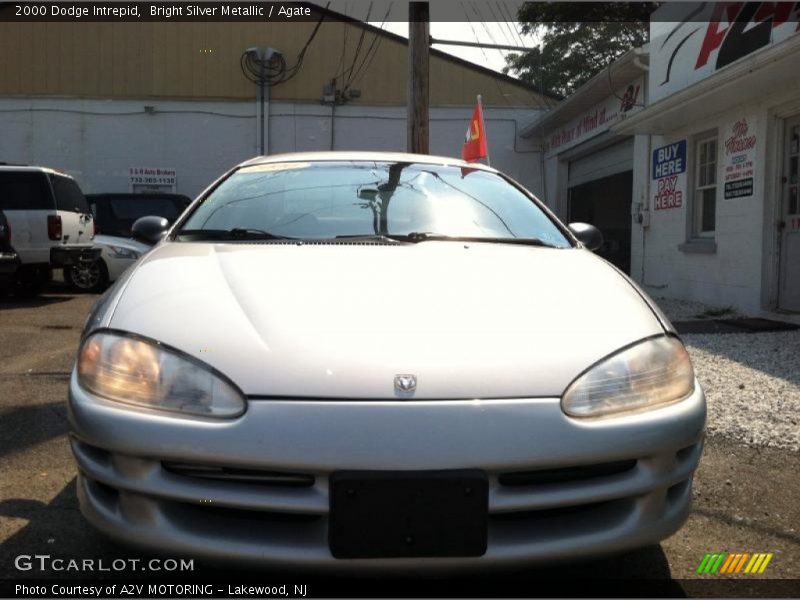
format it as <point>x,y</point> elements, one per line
<point>246,505</point>
<point>239,475</point>
<point>566,474</point>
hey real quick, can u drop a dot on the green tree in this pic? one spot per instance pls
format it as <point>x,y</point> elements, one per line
<point>578,40</point>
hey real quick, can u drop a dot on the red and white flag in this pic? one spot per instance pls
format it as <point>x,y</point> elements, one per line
<point>475,146</point>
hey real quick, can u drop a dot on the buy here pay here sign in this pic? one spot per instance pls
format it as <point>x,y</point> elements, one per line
<point>669,176</point>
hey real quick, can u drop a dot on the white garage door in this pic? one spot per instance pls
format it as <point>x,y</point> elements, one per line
<point>602,163</point>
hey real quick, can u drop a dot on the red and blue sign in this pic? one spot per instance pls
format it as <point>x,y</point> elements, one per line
<point>669,179</point>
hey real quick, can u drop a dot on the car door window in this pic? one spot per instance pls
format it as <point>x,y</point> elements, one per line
<point>24,191</point>
<point>69,196</point>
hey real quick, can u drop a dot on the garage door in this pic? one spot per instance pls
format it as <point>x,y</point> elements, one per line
<point>602,163</point>
<point>606,204</point>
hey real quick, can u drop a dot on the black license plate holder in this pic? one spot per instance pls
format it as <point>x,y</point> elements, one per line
<point>396,514</point>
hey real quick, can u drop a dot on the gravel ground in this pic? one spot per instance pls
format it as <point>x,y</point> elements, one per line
<point>685,310</point>
<point>752,385</point>
<point>751,380</point>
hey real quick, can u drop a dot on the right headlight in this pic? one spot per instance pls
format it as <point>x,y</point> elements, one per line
<point>647,375</point>
<point>137,371</point>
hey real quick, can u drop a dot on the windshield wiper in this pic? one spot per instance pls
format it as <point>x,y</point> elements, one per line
<point>367,236</point>
<point>425,236</point>
<point>237,233</point>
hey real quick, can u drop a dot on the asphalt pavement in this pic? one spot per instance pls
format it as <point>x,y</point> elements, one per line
<point>746,499</point>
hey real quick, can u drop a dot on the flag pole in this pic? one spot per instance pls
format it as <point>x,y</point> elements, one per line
<point>480,105</point>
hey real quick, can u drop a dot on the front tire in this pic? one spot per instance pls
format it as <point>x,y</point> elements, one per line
<point>90,277</point>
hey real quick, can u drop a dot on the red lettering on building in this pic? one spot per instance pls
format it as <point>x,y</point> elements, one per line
<point>724,11</point>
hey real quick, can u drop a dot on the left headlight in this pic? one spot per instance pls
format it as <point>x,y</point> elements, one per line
<point>143,373</point>
<point>649,374</point>
<point>120,252</point>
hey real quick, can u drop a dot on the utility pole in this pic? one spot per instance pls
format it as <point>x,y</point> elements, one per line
<point>419,38</point>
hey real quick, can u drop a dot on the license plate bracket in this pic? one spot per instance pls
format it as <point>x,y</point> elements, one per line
<point>395,514</point>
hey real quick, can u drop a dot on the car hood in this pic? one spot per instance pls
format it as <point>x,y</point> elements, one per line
<point>343,320</point>
<point>121,242</point>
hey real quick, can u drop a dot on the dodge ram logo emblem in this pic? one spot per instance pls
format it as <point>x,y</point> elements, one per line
<point>405,383</point>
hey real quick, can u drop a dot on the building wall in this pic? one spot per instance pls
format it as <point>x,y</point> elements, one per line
<point>753,70</point>
<point>202,61</point>
<point>97,141</point>
<point>555,185</point>
<point>730,276</point>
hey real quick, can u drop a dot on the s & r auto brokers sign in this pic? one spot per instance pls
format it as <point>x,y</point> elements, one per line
<point>152,176</point>
<point>669,176</point>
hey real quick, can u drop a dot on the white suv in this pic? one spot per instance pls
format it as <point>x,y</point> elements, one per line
<point>51,223</point>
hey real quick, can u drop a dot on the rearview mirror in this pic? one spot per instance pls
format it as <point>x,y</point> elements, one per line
<point>588,235</point>
<point>368,194</point>
<point>149,230</point>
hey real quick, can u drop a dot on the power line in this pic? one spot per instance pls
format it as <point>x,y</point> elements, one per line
<point>474,32</point>
<point>372,51</point>
<point>270,69</point>
<point>509,19</point>
<point>536,101</point>
<point>482,21</point>
<point>523,48</point>
<point>357,52</point>
<point>345,31</point>
<point>499,20</point>
<point>302,54</point>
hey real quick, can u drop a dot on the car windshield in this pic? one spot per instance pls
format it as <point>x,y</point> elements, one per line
<point>335,199</point>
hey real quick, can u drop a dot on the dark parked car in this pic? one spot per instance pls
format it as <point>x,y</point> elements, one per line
<point>115,213</point>
<point>9,259</point>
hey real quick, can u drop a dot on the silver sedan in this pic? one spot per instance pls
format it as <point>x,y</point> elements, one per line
<point>380,361</point>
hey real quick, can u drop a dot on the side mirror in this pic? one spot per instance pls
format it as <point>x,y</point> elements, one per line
<point>149,230</point>
<point>588,235</point>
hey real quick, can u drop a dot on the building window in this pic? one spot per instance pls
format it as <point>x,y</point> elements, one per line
<point>705,186</point>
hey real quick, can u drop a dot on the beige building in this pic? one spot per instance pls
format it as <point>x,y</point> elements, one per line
<point>101,99</point>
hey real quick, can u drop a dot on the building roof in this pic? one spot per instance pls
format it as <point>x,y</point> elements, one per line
<point>622,71</point>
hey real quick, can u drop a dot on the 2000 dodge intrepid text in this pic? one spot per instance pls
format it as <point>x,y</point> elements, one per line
<point>371,360</point>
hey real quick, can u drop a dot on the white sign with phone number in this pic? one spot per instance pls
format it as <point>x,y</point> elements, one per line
<point>152,176</point>
<point>739,159</point>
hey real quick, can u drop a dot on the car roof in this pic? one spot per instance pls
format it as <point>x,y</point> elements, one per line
<point>101,195</point>
<point>33,169</point>
<point>364,156</point>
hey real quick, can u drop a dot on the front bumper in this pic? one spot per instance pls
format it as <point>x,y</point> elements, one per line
<point>67,256</point>
<point>126,491</point>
